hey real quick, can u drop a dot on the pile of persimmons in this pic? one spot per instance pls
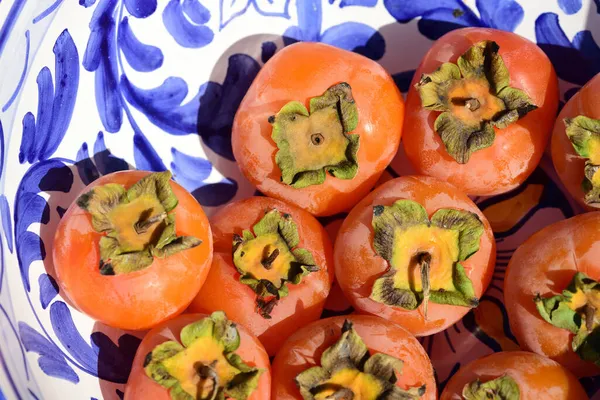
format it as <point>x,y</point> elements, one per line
<point>314,133</point>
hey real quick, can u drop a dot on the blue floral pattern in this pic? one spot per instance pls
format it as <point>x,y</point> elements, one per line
<point>145,112</point>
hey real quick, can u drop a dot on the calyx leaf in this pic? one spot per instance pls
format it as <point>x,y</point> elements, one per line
<point>136,223</point>
<point>312,144</point>
<point>405,225</point>
<point>584,134</point>
<point>269,259</point>
<point>577,310</point>
<point>474,97</point>
<point>204,365</point>
<point>348,365</point>
<point>501,388</point>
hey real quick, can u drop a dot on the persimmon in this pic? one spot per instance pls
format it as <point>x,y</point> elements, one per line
<point>480,110</point>
<point>199,356</point>
<point>317,127</point>
<point>272,268</point>
<point>352,357</point>
<point>552,295</point>
<point>513,375</point>
<point>133,250</point>
<point>576,144</point>
<point>415,251</point>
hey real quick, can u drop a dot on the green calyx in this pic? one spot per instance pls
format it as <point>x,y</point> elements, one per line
<point>312,144</point>
<point>268,259</point>
<point>474,97</point>
<point>204,366</point>
<point>502,388</point>
<point>138,223</point>
<point>577,310</point>
<point>349,372</point>
<point>584,134</point>
<point>424,255</point>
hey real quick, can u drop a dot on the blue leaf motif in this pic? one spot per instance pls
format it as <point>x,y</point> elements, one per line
<point>216,194</point>
<point>6,222</point>
<point>114,361</point>
<point>189,171</point>
<point>105,161</point>
<point>48,289</point>
<point>576,62</point>
<point>231,9</point>
<point>597,6</point>
<point>505,15</point>
<point>87,3</point>
<point>360,3</point>
<point>30,248</point>
<point>403,79</point>
<point>196,12</point>
<point>185,33</point>
<point>145,156</point>
<point>570,6</point>
<point>140,8</point>
<point>86,169</point>
<point>101,56</point>
<point>268,49</point>
<point>55,106</point>
<point>141,57</point>
<point>51,360</point>
<point>219,103</point>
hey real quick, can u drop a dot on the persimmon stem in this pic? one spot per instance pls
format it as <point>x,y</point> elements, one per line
<point>341,394</point>
<point>208,375</point>
<point>590,312</point>
<point>472,104</point>
<point>268,262</point>
<point>143,226</point>
<point>424,261</point>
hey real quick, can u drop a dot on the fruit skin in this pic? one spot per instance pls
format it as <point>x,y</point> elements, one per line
<point>357,264</point>
<point>303,350</point>
<point>301,71</point>
<point>545,264</point>
<point>137,300</point>
<point>568,164</point>
<point>223,290</point>
<point>517,149</point>
<point>140,386</point>
<point>538,377</point>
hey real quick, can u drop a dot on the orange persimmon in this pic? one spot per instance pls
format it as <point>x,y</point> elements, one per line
<point>133,250</point>
<point>317,127</point>
<point>415,251</point>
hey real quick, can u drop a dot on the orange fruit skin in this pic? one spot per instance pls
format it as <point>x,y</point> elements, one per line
<point>304,348</point>
<point>138,300</point>
<point>537,377</point>
<point>140,386</point>
<point>568,164</point>
<point>545,264</point>
<point>299,72</point>
<point>357,265</point>
<point>223,291</point>
<point>517,149</point>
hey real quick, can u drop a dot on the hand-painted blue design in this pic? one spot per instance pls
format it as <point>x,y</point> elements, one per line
<point>48,289</point>
<point>6,221</point>
<point>60,211</point>
<point>87,3</point>
<point>55,103</point>
<point>142,57</point>
<point>570,6</point>
<point>268,49</point>
<point>101,57</point>
<point>591,384</point>
<point>47,11</point>
<point>403,80</point>
<point>51,361</point>
<point>145,156</point>
<point>219,103</point>
<point>9,22</point>
<point>597,6</point>
<point>439,17</point>
<point>470,323</point>
<point>1,149</point>
<point>191,172</point>
<point>140,8</point>
<point>575,62</point>
<point>30,207</point>
<point>22,77</point>
<point>103,162</point>
<point>352,36</point>
<point>114,360</point>
<point>120,394</point>
<point>196,12</point>
<point>231,9</point>
<point>361,3</point>
<point>185,32</point>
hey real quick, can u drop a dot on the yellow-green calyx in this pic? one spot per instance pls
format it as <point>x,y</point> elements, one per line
<point>584,134</point>
<point>473,96</point>
<point>204,366</point>
<point>577,310</point>
<point>424,255</point>
<point>138,223</point>
<point>269,259</point>
<point>502,388</point>
<point>312,144</point>
<point>349,372</point>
